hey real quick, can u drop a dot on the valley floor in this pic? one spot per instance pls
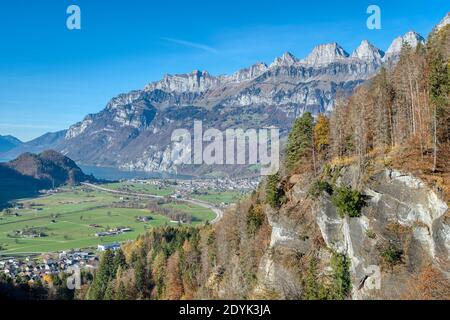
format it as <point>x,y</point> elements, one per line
<point>70,218</point>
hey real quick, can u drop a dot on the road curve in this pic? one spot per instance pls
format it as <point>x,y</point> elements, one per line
<point>216,210</point>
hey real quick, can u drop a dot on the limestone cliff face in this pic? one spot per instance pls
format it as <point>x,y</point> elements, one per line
<point>400,210</point>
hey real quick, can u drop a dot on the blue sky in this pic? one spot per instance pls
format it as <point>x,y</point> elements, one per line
<point>51,77</point>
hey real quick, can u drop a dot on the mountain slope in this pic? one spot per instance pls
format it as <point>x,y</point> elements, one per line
<point>29,173</point>
<point>8,142</point>
<point>411,38</point>
<point>45,142</point>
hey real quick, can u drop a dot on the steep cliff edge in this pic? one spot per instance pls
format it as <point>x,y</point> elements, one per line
<point>401,218</point>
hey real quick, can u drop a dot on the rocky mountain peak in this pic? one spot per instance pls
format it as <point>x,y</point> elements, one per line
<point>326,53</point>
<point>248,73</point>
<point>287,59</point>
<point>445,21</point>
<point>368,52</point>
<point>410,38</point>
<point>196,81</point>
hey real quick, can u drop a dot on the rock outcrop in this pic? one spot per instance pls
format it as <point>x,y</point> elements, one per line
<point>411,38</point>
<point>401,210</point>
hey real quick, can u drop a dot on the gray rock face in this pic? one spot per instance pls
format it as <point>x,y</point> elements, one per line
<point>400,209</point>
<point>368,52</point>
<point>326,53</point>
<point>286,60</point>
<point>411,38</point>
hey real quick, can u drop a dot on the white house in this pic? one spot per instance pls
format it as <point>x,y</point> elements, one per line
<point>111,246</point>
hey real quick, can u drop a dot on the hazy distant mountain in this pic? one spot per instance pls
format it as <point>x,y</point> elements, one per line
<point>133,131</point>
<point>29,173</point>
<point>44,142</point>
<point>8,142</point>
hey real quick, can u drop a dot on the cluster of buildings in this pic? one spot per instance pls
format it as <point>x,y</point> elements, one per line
<point>218,184</point>
<point>113,232</point>
<point>33,269</point>
<point>187,188</point>
<point>110,246</point>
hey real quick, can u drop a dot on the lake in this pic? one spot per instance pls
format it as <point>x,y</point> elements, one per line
<point>110,173</point>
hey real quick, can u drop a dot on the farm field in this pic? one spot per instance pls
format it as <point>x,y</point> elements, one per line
<point>211,196</point>
<point>71,218</point>
<point>140,188</point>
<point>217,197</point>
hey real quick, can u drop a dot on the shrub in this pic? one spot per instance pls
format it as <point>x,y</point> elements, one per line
<point>313,288</point>
<point>255,218</point>
<point>319,186</point>
<point>371,234</point>
<point>429,284</point>
<point>274,193</point>
<point>391,255</point>
<point>338,288</point>
<point>347,201</point>
<point>300,139</point>
<point>342,284</point>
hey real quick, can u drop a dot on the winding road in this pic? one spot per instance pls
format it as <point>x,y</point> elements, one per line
<point>216,210</point>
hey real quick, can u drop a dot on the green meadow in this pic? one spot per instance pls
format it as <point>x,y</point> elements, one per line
<point>217,197</point>
<point>68,220</point>
<point>140,188</point>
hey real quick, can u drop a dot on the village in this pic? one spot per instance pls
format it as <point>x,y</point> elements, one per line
<point>186,189</point>
<point>34,268</point>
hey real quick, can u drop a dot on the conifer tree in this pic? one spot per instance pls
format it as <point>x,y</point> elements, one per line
<point>300,139</point>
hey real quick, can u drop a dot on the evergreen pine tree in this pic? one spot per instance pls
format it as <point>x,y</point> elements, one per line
<point>300,139</point>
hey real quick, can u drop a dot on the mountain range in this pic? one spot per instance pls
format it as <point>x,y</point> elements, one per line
<point>133,131</point>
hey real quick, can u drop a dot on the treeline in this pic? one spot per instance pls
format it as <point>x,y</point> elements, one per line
<point>51,287</point>
<point>406,106</point>
<point>403,112</point>
<point>162,264</point>
<point>171,213</point>
<point>157,207</point>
